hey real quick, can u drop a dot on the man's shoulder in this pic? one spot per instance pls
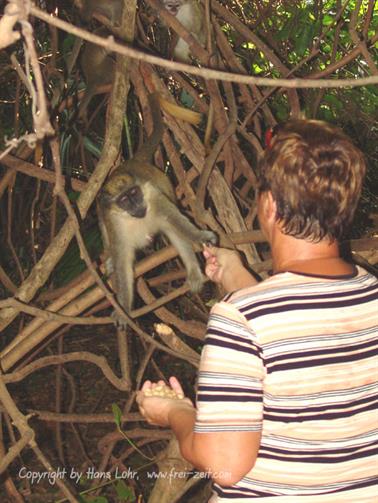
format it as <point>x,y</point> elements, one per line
<point>298,285</point>
<point>268,286</point>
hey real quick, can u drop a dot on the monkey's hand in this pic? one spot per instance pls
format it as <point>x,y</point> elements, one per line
<point>195,278</point>
<point>208,237</point>
<point>119,321</point>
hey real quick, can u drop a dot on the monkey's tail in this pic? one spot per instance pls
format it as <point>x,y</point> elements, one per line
<point>147,150</point>
<point>157,103</point>
<point>180,112</point>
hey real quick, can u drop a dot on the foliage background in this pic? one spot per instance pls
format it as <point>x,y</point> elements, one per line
<point>71,402</point>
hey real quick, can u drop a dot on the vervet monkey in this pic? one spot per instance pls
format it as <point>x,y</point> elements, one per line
<point>112,9</point>
<point>96,63</point>
<point>98,66</point>
<point>190,15</point>
<point>138,202</point>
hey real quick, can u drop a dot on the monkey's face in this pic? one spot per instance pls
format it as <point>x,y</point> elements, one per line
<point>173,6</point>
<point>122,192</point>
<point>132,201</point>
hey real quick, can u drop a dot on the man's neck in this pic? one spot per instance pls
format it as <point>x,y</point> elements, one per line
<point>298,255</point>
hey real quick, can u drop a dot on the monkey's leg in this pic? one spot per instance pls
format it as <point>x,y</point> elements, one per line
<point>104,231</point>
<point>108,263</point>
<point>124,280</point>
<point>88,95</point>
<point>124,276</point>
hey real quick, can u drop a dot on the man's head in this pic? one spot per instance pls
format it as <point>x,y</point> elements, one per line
<point>314,174</point>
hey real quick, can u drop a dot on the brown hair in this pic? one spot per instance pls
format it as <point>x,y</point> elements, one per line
<point>314,173</point>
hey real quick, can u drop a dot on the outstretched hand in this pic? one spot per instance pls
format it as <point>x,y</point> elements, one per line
<point>158,400</point>
<point>225,267</point>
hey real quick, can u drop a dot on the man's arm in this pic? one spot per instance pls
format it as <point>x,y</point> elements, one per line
<point>225,456</point>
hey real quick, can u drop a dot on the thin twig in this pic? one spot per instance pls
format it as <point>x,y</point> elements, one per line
<point>99,361</point>
<point>206,73</point>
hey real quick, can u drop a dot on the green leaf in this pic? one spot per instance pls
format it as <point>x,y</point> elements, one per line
<point>92,499</point>
<point>334,101</point>
<point>73,196</point>
<point>328,19</point>
<point>186,99</point>
<point>124,492</point>
<point>71,264</point>
<point>65,152</point>
<point>285,31</point>
<point>327,115</point>
<point>304,39</point>
<point>117,414</point>
<point>281,112</point>
<point>93,148</point>
<point>68,44</point>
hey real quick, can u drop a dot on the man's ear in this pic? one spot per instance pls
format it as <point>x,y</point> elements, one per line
<point>269,206</point>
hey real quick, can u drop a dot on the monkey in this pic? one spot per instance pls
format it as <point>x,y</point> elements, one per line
<point>136,203</point>
<point>190,15</point>
<point>111,9</point>
<point>97,64</point>
<point>98,67</point>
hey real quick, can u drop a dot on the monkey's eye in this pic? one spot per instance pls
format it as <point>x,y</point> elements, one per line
<point>123,199</point>
<point>133,191</point>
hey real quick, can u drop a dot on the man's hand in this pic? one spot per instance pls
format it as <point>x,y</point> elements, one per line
<point>225,267</point>
<point>158,401</point>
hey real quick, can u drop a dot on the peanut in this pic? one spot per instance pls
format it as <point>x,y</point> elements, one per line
<point>164,391</point>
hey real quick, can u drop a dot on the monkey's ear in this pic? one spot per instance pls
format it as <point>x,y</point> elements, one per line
<point>104,199</point>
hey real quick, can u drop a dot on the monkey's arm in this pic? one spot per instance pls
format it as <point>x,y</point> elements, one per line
<point>184,248</point>
<point>181,225</point>
<point>182,233</point>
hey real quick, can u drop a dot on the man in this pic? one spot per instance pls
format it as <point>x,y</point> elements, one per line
<point>288,375</point>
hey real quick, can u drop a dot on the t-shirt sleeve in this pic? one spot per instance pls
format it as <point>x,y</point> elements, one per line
<point>231,373</point>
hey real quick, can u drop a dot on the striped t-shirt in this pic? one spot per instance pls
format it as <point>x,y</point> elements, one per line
<point>295,357</point>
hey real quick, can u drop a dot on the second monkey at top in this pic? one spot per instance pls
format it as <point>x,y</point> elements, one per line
<point>188,12</point>
<point>191,16</point>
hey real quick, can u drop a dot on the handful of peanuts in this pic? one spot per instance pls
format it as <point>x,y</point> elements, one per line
<point>163,391</point>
